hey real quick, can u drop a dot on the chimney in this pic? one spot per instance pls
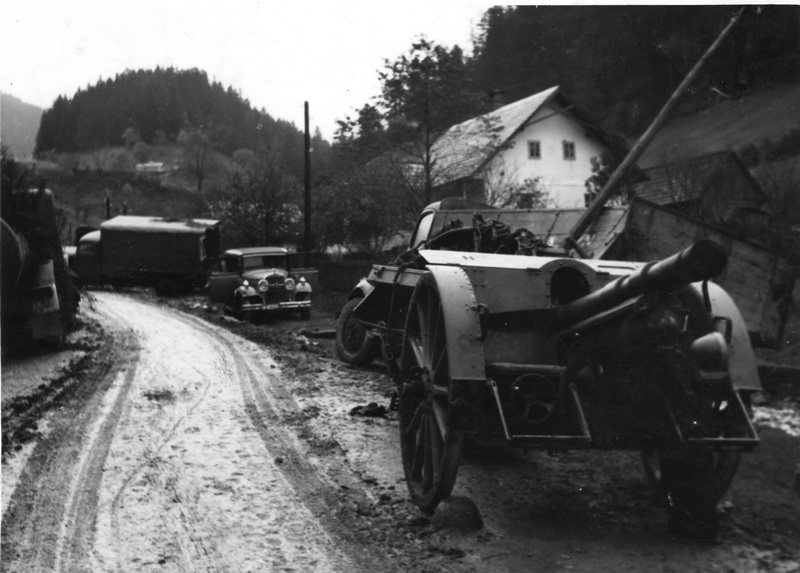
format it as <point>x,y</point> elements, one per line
<point>497,99</point>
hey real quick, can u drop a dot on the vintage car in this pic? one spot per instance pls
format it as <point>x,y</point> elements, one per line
<point>258,281</point>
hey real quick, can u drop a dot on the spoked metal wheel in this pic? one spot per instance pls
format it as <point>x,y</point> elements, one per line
<point>723,464</point>
<point>353,344</point>
<point>431,450</point>
<point>690,481</point>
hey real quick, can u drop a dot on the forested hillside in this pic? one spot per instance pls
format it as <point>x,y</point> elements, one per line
<point>155,106</point>
<point>19,122</point>
<point>621,63</point>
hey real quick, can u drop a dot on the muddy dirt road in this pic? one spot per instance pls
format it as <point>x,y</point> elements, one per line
<point>187,447</point>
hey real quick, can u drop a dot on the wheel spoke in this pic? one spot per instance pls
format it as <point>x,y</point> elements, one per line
<point>436,447</point>
<point>413,425</point>
<point>429,469</point>
<point>419,453</point>
<point>439,373</point>
<point>440,417</point>
<point>416,348</point>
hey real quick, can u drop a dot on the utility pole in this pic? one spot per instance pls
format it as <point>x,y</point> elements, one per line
<point>308,242</point>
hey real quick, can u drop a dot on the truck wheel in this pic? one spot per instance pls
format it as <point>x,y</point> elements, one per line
<point>167,288</point>
<point>353,345</point>
<point>305,313</point>
<point>431,450</point>
<point>690,481</point>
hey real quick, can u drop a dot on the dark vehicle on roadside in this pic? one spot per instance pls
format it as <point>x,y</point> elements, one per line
<point>38,297</point>
<point>172,255</point>
<point>259,281</point>
<point>488,331</point>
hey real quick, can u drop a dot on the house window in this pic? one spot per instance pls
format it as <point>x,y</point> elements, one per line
<point>569,150</point>
<point>534,150</point>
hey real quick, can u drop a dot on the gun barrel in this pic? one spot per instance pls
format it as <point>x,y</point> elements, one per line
<point>701,261</point>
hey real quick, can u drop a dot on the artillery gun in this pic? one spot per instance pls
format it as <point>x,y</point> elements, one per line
<point>557,353</point>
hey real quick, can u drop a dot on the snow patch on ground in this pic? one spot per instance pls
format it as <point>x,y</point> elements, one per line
<point>786,418</point>
<point>14,466</point>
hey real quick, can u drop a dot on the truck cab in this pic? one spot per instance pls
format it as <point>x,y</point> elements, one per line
<point>87,264</point>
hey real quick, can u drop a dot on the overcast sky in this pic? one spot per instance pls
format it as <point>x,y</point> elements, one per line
<point>277,54</point>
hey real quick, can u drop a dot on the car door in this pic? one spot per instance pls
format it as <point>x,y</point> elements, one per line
<point>224,279</point>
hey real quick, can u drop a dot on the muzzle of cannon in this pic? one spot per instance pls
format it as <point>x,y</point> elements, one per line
<point>702,261</point>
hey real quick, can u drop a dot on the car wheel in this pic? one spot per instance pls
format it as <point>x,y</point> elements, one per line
<point>237,307</point>
<point>353,344</point>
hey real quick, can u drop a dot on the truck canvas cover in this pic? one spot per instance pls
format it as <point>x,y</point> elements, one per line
<point>133,245</point>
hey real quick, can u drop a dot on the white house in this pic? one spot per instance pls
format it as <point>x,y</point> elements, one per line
<point>542,139</point>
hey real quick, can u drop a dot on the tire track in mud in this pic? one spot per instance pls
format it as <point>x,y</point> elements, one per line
<point>66,513</point>
<point>182,526</point>
<point>268,403</point>
<point>50,519</point>
<point>181,522</point>
<point>266,407</point>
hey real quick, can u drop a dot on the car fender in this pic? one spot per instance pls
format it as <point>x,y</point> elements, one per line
<point>362,289</point>
<point>246,291</point>
<point>462,323</point>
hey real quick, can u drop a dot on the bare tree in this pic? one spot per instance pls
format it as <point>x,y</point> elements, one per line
<point>198,155</point>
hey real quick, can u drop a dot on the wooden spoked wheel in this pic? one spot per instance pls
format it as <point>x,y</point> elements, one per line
<point>690,481</point>
<point>431,450</point>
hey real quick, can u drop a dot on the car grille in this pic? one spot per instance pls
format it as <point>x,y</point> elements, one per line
<point>275,296</point>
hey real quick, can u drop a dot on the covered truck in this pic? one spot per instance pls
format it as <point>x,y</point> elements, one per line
<point>169,254</point>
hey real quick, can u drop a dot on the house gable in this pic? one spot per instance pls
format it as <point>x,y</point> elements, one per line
<point>563,165</point>
<point>541,138</point>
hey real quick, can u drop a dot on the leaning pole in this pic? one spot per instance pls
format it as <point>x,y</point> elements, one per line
<point>596,206</point>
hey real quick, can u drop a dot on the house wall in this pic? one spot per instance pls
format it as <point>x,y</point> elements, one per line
<point>563,179</point>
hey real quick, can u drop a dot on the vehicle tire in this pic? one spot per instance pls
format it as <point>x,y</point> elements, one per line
<point>237,311</point>
<point>167,288</point>
<point>353,345</point>
<point>431,450</point>
<point>690,481</point>
<point>305,313</point>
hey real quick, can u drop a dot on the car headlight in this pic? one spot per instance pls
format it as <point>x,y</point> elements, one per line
<point>245,283</point>
<point>263,285</point>
<point>289,284</point>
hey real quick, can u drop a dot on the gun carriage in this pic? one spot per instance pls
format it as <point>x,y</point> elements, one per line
<point>558,353</point>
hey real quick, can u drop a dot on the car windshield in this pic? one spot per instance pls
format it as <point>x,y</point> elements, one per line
<point>264,262</point>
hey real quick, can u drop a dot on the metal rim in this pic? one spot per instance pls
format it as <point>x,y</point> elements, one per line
<point>431,450</point>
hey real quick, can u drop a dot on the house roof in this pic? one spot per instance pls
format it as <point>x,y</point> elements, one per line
<point>685,181</point>
<point>465,147</point>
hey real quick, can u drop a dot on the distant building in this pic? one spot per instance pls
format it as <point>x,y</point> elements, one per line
<point>151,168</point>
<point>541,140</point>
